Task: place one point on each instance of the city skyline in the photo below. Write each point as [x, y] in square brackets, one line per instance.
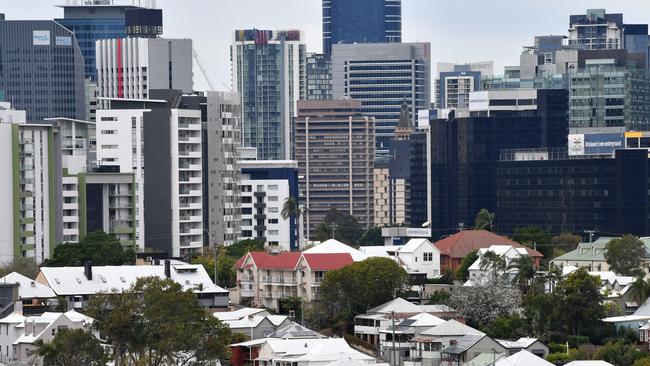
[422, 20]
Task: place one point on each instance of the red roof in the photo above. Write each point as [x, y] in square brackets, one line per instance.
[328, 261]
[463, 242]
[263, 260]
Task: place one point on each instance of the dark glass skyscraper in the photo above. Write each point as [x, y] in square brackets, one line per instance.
[41, 69]
[361, 21]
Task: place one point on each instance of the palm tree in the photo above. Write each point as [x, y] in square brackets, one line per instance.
[494, 262]
[291, 208]
[639, 291]
[484, 220]
[525, 271]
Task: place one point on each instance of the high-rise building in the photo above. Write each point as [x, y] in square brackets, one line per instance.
[28, 188]
[268, 72]
[42, 69]
[159, 141]
[609, 89]
[93, 20]
[559, 193]
[131, 67]
[465, 150]
[222, 175]
[361, 21]
[318, 77]
[382, 76]
[335, 153]
[265, 186]
[455, 82]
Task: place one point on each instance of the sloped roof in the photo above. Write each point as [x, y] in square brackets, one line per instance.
[296, 331]
[519, 343]
[451, 328]
[523, 358]
[589, 363]
[240, 313]
[13, 318]
[463, 242]
[73, 281]
[328, 261]
[286, 260]
[397, 305]
[28, 288]
[463, 343]
[413, 244]
[485, 359]
[335, 246]
[425, 320]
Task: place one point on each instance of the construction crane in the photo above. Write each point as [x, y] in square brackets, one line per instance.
[203, 69]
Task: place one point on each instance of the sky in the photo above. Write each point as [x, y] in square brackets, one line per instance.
[459, 31]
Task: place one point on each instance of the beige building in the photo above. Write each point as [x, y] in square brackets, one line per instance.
[335, 149]
[390, 196]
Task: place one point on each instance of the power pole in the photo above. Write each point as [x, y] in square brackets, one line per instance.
[394, 354]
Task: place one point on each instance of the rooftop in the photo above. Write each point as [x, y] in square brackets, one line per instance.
[463, 242]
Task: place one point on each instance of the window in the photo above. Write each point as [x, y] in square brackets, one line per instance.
[246, 199]
[246, 211]
[272, 210]
[273, 221]
[109, 132]
[273, 187]
[273, 198]
[109, 146]
[273, 232]
[428, 257]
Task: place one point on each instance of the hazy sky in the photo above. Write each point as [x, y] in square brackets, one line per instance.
[459, 30]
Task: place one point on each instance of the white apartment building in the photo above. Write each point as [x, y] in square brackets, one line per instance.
[168, 141]
[265, 186]
[131, 67]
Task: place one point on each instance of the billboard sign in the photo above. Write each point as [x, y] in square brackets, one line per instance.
[479, 101]
[423, 117]
[595, 143]
[41, 38]
[63, 41]
[417, 232]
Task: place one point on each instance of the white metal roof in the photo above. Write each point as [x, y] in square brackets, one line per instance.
[397, 305]
[523, 358]
[72, 280]
[335, 246]
[240, 313]
[28, 288]
[451, 328]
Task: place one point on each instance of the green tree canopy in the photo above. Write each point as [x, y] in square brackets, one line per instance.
[240, 248]
[564, 242]
[356, 288]
[484, 220]
[156, 323]
[97, 247]
[625, 255]
[525, 272]
[72, 347]
[619, 353]
[579, 301]
[372, 237]
[533, 237]
[462, 272]
[340, 226]
[25, 266]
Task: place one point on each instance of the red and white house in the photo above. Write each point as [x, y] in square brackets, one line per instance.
[266, 278]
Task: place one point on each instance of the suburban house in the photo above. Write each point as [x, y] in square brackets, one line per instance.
[78, 284]
[334, 246]
[615, 290]
[428, 345]
[309, 352]
[243, 353]
[523, 358]
[455, 247]
[467, 347]
[395, 340]
[592, 255]
[240, 314]
[255, 327]
[485, 359]
[40, 328]
[418, 257]
[509, 253]
[532, 345]
[265, 278]
[33, 298]
[368, 325]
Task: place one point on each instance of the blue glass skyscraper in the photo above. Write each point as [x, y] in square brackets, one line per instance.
[92, 22]
[361, 21]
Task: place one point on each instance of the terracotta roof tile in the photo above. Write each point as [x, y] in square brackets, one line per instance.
[263, 260]
[328, 261]
[461, 243]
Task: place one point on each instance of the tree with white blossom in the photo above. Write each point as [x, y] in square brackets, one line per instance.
[486, 300]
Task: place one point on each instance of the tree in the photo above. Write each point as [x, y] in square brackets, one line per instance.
[493, 262]
[539, 311]
[291, 208]
[564, 242]
[579, 301]
[294, 304]
[156, 323]
[625, 255]
[639, 290]
[463, 270]
[227, 275]
[97, 247]
[25, 266]
[340, 226]
[438, 297]
[485, 301]
[619, 353]
[525, 268]
[372, 237]
[484, 220]
[645, 361]
[72, 347]
[356, 288]
[240, 248]
[533, 237]
[507, 327]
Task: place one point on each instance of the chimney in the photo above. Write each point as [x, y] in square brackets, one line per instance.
[88, 270]
[168, 270]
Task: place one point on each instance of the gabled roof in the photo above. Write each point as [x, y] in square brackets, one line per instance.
[463, 242]
[589, 363]
[523, 358]
[463, 343]
[485, 359]
[425, 320]
[13, 318]
[451, 328]
[72, 280]
[295, 331]
[264, 260]
[413, 244]
[240, 314]
[328, 261]
[28, 288]
[334, 246]
[519, 343]
[397, 305]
